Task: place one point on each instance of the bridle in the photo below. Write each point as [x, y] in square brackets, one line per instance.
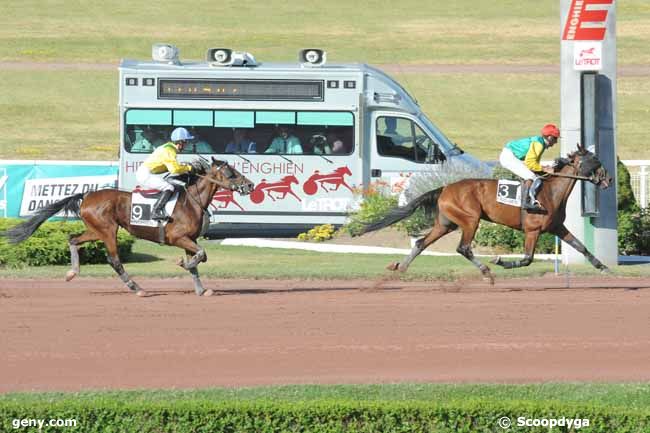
[591, 178]
[209, 179]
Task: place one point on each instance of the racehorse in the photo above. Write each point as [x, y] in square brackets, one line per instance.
[104, 211]
[464, 203]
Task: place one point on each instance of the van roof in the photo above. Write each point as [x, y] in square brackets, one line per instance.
[266, 66]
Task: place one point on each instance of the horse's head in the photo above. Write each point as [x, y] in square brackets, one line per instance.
[228, 177]
[588, 165]
[290, 179]
[343, 170]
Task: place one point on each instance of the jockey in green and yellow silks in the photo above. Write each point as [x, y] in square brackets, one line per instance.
[523, 156]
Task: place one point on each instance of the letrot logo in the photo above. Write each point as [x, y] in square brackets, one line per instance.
[587, 20]
[587, 56]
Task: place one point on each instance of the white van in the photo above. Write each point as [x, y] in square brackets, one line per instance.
[310, 135]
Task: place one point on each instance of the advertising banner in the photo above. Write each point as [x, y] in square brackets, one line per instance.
[27, 186]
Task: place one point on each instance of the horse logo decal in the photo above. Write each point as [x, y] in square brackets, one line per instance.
[281, 189]
[335, 179]
[225, 196]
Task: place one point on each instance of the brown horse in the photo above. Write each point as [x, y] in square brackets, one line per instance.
[465, 203]
[104, 211]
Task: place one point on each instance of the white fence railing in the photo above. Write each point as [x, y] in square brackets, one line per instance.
[640, 179]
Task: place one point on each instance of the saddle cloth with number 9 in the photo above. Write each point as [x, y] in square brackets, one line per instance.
[142, 202]
[509, 192]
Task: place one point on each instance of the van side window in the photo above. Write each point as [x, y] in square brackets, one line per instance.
[398, 137]
[243, 131]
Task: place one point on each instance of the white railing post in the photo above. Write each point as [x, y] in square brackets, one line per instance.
[643, 186]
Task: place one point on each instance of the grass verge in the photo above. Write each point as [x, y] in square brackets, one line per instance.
[342, 408]
[153, 260]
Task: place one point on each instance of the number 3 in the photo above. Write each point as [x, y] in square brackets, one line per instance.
[503, 190]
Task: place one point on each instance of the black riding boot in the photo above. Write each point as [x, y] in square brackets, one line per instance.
[158, 212]
[531, 202]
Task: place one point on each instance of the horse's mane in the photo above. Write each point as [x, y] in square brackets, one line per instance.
[201, 166]
[560, 163]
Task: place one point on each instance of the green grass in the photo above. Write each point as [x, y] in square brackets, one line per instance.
[626, 395]
[377, 31]
[152, 260]
[59, 115]
[73, 114]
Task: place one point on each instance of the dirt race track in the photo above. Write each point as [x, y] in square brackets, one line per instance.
[91, 334]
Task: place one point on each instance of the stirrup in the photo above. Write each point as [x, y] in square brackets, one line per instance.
[160, 215]
[533, 205]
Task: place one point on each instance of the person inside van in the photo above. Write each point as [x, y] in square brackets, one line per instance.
[198, 144]
[337, 145]
[241, 143]
[140, 142]
[319, 144]
[390, 131]
[285, 142]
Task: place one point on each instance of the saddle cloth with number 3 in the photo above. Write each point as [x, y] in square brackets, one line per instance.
[509, 192]
[142, 207]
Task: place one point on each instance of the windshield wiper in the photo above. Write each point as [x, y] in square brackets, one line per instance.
[328, 160]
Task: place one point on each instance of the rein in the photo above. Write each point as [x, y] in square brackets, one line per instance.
[570, 176]
[216, 182]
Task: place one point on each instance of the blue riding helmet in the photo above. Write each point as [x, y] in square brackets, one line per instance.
[179, 134]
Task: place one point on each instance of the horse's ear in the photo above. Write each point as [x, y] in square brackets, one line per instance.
[581, 148]
[214, 161]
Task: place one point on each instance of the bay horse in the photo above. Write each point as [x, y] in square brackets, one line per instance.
[465, 203]
[104, 211]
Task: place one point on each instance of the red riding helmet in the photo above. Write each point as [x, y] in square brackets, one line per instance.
[551, 130]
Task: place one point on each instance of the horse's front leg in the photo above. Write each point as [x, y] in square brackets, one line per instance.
[194, 271]
[194, 255]
[530, 243]
[564, 234]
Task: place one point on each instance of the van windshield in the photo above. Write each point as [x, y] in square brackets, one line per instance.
[441, 138]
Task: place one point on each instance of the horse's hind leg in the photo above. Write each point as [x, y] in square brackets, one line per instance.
[75, 243]
[110, 240]
[465, 249]
[438, 231]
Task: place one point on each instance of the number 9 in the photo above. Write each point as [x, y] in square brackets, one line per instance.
[137, 212]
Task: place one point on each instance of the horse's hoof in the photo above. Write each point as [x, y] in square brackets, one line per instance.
[495, 260]
[181, 262]
[70, 275]
[605, 271]
[489, 279]
[393, 266]
[141, 293]
[208, 292]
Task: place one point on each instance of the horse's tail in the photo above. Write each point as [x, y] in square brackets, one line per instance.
[429, 200]
[20, 232]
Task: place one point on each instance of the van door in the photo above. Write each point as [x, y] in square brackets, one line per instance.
[401, 147]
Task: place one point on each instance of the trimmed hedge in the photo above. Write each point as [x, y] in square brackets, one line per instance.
[49, 245]
[108, 415]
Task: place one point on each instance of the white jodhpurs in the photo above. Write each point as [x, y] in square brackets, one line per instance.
[148, 180]
[511, 162]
